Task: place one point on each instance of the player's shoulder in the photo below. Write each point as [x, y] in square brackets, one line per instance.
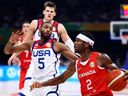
[56, 42]
[34, 21]
[60, 25]
[59, 44]
[33, 24]
[103, 57]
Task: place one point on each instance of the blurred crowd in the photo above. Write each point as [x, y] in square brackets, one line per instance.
[13, 13]
[67, 11]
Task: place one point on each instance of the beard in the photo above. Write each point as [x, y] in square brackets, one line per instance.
[47, 36]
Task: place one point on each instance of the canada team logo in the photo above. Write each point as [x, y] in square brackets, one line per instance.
[92, 64]
[48, 44]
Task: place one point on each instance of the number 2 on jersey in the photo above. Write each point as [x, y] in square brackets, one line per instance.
[40, 61]
[88, 82]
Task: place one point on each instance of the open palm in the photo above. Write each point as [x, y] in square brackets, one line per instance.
[15, 35]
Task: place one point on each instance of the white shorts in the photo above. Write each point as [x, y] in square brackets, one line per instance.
[43, 91]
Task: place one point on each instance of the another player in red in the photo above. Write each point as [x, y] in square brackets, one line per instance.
[92, 68]
[24, 57]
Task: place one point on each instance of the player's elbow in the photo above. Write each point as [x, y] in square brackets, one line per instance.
[7, 51]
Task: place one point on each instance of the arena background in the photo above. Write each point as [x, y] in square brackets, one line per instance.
[77, 15]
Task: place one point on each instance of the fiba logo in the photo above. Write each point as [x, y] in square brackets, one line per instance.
[12, 72]
[92, 64]
[48, 44]
[9, 73]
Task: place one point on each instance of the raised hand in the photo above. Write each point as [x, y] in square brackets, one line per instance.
[15, 35]
[13, 60]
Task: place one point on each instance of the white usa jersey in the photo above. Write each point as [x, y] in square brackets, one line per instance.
[44, 59]
[54, 34]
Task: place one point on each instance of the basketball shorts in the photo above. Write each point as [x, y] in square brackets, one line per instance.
[43, 91]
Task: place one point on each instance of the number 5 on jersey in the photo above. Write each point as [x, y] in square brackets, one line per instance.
[41, 63]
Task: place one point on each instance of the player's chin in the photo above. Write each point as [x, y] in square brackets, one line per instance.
[49, 18]
[46, 35]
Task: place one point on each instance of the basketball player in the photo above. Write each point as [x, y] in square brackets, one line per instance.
[92, 68]
[44, 59]
[24, 57]
[58, 29]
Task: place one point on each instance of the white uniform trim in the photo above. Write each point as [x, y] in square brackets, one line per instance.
[70, 44]
[85, 38]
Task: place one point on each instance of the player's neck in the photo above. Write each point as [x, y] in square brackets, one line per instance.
[44, 40]
[84, 62]
[45, 20]
[85, 56]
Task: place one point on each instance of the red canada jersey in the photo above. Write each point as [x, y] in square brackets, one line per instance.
[25, 57]
[92, 77]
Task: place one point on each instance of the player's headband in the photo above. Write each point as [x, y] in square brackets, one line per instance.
[85, 38]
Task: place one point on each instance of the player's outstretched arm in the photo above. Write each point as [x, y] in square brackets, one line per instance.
[57, 80]
[10, 46]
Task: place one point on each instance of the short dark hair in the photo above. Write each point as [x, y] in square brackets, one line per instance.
[49, 4]
[24, 23]
[89, 35]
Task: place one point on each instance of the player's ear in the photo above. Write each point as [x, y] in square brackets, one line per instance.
[86, 44]
[43, 12]
[54, 13]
